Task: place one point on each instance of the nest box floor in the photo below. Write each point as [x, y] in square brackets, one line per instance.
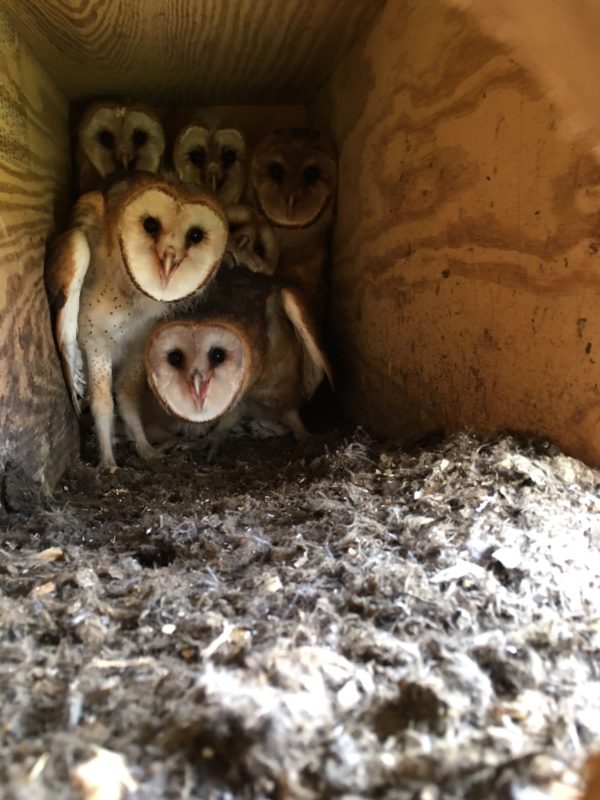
[364, 623]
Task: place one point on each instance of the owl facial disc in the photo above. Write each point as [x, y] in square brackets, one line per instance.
[196, 369]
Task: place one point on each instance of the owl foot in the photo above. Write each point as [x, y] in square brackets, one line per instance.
[147, 452]
[107, 465]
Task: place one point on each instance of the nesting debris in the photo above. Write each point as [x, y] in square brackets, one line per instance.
[365, 623]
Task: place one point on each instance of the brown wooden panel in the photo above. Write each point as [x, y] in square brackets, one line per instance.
[37, 430]
[558, 41]
[192, 51]
[467, 250]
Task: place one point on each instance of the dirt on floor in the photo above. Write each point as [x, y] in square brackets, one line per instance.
[362, 622]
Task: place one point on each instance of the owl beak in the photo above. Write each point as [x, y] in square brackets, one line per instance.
[291, 203]
[214, 178]
[168, 265]
[243, 241]
[199, 389]
[124, 159]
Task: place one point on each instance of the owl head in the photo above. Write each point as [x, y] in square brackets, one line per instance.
[213, 158]
[171, 237]
[293, 177]
[117, 137]
[197, 369]
[252, 242]
[250, 337]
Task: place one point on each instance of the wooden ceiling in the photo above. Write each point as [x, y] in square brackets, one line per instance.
[191, 51]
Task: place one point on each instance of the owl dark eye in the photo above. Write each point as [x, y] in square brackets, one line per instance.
[196, 157]
[311, 174]
[139, 138]
[195, 235]
[176, 358]
[217, 355]
[151, 225]
[106, 139]
[276, 171]
[228, 157]
[259, 249]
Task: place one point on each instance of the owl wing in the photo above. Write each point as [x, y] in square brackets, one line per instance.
[315, 363]
[66, 268]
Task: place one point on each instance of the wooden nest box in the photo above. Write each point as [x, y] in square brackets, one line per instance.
[466, 252]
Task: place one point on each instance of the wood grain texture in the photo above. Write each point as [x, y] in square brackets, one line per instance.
[558, 41]
[192, 51]
[466, 257]
[37, 429]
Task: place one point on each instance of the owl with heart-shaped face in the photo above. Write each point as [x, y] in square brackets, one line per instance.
[117, 138]
[145, 243]
[247, 348]
[214, 157]
[292, 182]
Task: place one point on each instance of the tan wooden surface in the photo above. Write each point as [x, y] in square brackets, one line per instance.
[37, 430]
[192, 51]
[467, 251]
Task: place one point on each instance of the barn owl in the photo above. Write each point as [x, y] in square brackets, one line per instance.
[251, 241]
[198, 367]
[292, 181]
[143, 244]
[113, 137]
[212, 157]
[247, 348]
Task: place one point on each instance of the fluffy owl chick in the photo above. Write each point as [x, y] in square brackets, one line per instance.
[293, 180]
[145, 243]
[276, 361]
[113, 137]
[252, 242]
[196, 368]
[212, 157]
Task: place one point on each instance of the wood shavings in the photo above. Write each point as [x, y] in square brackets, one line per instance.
[104, 777]
[47, 555]
[369, 623]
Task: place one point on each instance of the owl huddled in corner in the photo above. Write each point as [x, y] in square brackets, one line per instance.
[247, 348]
[114, 138]
[130, 251]
[292, 183]
[212, 156]
[252, 242]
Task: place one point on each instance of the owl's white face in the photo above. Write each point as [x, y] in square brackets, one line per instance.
[252, 242]
[293, 177]
[115, 137]
[171, 241]
[215, 160]
[196, 369]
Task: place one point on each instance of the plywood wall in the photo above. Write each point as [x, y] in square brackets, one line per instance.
[192, 51]
[466, 273]
[37, 430]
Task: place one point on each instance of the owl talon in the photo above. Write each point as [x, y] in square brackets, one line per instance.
[147, 452]
[107, 466]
